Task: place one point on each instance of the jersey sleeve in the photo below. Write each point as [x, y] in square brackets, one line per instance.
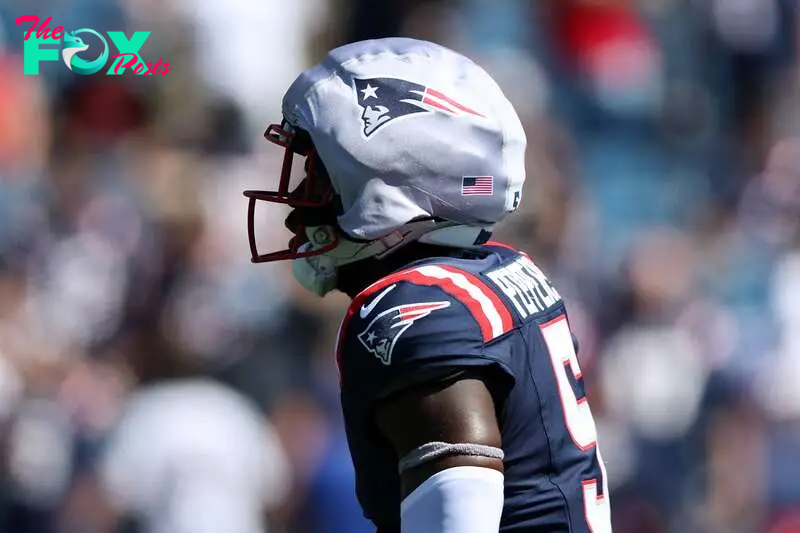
[423, 322]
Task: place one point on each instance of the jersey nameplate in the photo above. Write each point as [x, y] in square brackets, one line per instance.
[526, 286]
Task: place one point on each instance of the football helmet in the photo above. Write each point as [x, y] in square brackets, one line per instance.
[402, 140]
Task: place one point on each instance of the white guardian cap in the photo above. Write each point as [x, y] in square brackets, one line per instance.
[404, 140]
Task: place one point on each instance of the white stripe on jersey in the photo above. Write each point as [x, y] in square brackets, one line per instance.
[459, 280]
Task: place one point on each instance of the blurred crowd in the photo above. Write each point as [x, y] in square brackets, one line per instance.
[153, 380]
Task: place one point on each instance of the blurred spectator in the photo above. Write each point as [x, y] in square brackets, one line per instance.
[193, 456]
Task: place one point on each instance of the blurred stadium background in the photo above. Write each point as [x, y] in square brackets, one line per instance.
[663, 196]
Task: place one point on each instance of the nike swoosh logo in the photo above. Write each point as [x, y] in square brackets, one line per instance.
[367, 309]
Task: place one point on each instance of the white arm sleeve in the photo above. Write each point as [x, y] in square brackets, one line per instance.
[463, 499]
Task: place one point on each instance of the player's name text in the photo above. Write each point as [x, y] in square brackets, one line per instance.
[526, 286]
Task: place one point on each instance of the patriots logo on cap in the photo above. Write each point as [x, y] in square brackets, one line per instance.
[386, 99]
[382, 333]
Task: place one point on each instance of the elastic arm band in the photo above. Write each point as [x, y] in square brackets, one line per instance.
[434, 450]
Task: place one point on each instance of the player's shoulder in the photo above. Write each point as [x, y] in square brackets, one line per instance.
[441, 313]
[432, 309]
[442, 289]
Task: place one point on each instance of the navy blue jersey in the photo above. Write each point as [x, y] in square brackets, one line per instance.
[497, 314]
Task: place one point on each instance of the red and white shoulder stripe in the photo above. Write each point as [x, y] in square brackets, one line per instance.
[491, 314]
[485, 305]
[489, 311]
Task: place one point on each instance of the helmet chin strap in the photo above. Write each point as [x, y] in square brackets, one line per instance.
[318, 274]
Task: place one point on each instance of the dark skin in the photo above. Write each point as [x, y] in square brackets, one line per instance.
[458, 410]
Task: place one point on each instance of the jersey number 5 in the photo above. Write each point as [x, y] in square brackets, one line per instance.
[578, 419]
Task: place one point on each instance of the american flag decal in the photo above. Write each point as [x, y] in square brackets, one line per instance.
[477, 186]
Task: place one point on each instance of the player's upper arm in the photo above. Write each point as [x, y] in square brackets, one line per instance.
[446, 436]
[417, 361]
[458, 411]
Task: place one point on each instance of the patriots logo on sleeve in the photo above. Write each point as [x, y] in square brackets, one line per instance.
[382, 333]
[386, 99]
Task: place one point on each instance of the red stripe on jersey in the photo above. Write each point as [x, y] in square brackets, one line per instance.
[459, 294]
[447, 285]
[550, 322]
[497, 303]
[499, 244]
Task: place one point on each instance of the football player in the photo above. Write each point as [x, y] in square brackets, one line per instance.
[460, 385]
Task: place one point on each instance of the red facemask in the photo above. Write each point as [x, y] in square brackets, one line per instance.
[314, 195]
